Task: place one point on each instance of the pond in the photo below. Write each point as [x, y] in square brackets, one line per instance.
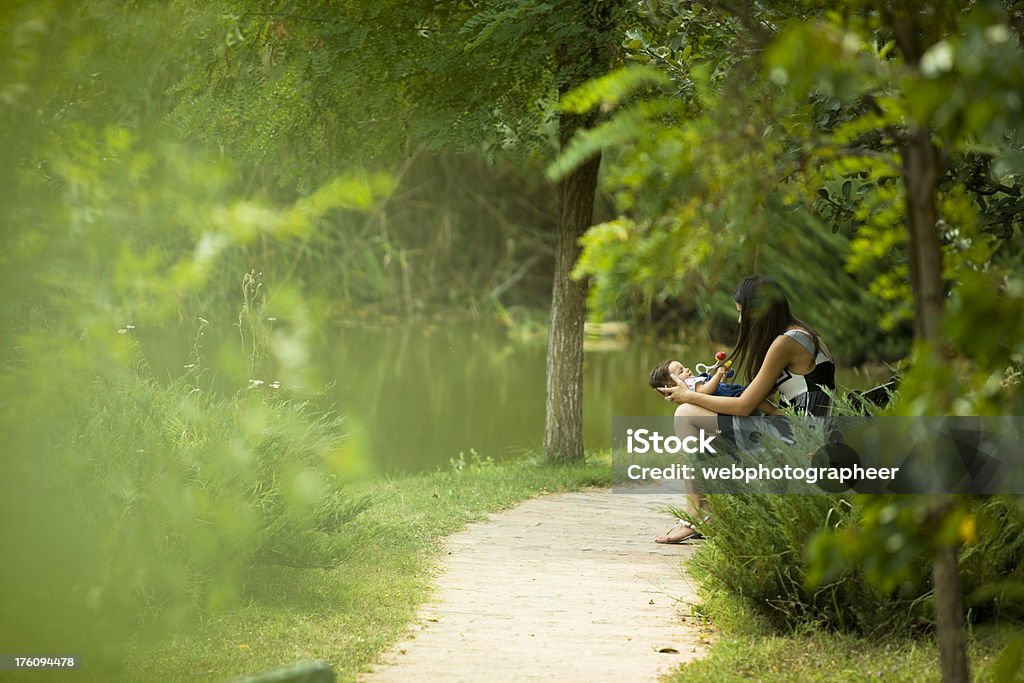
[417, 396]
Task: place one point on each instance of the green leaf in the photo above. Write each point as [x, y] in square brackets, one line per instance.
[1008, 666]
[924, 97]
[611, 89]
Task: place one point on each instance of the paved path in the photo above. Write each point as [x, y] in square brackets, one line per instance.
[567, 587]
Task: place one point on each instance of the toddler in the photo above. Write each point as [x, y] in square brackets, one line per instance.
[705, 383]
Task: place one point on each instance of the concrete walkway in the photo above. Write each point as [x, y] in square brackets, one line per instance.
[567, 587]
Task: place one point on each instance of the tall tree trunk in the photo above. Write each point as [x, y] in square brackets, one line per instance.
[563, 434]
[949, 610]
[920, 178]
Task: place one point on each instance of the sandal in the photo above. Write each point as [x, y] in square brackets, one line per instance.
[689, 533]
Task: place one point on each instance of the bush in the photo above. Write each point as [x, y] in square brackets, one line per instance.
[197, 488]
[141, 507]
[992, 564]
[856, 563]
[756, 558]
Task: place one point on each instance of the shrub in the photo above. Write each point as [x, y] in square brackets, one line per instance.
[756, 557]
[857, 563]
[992, 564]
[140, 507]
[197, 488]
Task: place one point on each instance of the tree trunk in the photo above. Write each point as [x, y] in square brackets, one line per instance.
[920, 177]
[563, 434]
[949, 611]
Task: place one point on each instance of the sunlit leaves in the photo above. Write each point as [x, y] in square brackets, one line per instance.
[635, 120]
[710, 194]
[611, 89]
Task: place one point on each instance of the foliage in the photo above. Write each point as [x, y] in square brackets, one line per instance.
[204, 487]
[756, 557]
[492, 242]
[855, 563]
[708, 184]
[145, 501]
[988, 528]
[805, 134]
[319, 85]
[146, 505]
[964, 91]
[298, 89]
[756, 560]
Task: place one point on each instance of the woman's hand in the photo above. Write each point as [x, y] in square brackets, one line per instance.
[678, 394]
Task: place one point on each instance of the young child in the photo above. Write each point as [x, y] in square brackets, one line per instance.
[705, 383]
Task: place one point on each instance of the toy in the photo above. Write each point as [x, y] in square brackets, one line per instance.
[703, 369]
[705, 372]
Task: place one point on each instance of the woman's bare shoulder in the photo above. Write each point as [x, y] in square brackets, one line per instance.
[783, 351]
[785, 342]
[799, 358]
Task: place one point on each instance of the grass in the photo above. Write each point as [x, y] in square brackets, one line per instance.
[814, 656]
[811, 656]
[748, 646]
[347, 615]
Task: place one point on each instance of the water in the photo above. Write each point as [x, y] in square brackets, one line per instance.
[422, 395]
[419, 395]
[416, 395]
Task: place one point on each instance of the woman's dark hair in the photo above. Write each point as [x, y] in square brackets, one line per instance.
[764, 315]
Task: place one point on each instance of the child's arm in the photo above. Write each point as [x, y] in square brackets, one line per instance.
[711, 386]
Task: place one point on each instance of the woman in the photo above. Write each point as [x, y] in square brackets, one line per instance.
[777, 352]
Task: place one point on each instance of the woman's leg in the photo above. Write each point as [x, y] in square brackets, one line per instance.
[689, 421]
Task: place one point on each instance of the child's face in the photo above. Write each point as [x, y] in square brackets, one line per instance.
[676, 368]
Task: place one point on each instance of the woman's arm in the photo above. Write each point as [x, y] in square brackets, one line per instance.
[780, 354]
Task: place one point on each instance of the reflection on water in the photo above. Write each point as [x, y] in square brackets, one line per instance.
[416, 395]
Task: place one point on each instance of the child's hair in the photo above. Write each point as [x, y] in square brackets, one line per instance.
[660, 376]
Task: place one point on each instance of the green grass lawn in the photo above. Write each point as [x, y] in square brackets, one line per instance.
[746, 649]
[348, 614]
[821, 657]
